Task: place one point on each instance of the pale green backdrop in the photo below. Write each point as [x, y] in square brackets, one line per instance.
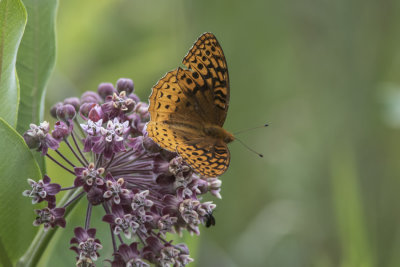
[325, 74]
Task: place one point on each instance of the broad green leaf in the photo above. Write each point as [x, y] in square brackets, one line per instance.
[12, 24]
[35, 62]
[16, 212]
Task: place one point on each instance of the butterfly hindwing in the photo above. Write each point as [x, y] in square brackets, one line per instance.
[205, 157]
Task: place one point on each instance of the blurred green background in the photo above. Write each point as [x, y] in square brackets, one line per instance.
[325, 74]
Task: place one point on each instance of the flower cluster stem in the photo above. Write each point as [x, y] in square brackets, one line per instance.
[88, 215]
[73, 151]
[77, 147]
[64, 158]
[59, 164]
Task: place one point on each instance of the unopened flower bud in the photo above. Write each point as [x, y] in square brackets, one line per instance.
[85, 109]
[95, 196]
[53, 110]
[126, 85]
[134, 97]
[74, 101]
[105, 89]
[90, 97]
[66, 112]
[143, 110]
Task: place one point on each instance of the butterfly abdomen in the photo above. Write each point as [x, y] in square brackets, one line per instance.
[219, 133]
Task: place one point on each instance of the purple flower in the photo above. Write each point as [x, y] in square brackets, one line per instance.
[87, 176]
[112, 138]
[166, 223]
[146, 193]
[188, 213]
[128, 256]
[42, 190]
[143, 219]
[213, 185]
[115, 189]
[93, 134]
[140, 200]
[92, 127]
[87, 245]
[165, 254]
[39, 137]
[115, 130]
[96, 113]
[121, 221]
[118, 104]
[62, 130]
[50, 217]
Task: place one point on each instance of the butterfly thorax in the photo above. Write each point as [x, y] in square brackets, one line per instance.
[218, 132]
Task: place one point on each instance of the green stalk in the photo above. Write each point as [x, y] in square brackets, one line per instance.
[349, 210]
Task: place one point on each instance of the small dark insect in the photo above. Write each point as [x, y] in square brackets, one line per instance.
[210, 219]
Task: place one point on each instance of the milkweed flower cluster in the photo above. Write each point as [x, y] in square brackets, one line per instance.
[145, 192]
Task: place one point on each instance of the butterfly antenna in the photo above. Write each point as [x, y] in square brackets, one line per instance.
[252, 150]
[249, 129]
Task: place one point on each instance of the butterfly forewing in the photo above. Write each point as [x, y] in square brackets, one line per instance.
[173, 118]
[198, 93]
[186, 101]
[207, 59]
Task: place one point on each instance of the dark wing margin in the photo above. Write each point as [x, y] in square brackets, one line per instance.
[207, 59]
[208, 160]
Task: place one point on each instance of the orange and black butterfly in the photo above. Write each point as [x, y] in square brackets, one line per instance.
[188, 108]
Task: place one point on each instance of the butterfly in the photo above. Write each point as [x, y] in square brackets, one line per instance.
[188, 108]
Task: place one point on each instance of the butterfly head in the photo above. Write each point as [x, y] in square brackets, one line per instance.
[228, 137]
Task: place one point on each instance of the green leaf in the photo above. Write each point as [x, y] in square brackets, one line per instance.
[35, 62]
[12, 24]
[16, 211]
